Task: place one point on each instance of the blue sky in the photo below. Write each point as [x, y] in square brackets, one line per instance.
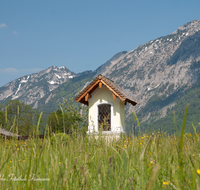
[81, 34]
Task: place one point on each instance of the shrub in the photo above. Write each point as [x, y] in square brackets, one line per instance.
[60, 137]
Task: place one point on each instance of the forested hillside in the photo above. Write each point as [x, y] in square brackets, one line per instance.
[172, 122]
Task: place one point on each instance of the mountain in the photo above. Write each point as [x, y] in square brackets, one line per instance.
[162, 75]
[103, 69]
[39, 89]
[51, 100]
[33, 87]
[159, 66]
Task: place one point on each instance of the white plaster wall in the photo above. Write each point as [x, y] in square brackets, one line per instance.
[104, 95]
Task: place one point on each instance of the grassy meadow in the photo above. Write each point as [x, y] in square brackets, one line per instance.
[78, 161]
[153, 161]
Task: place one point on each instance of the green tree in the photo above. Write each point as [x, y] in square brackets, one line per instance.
[55, 121]
[20, 117]
[69, 117]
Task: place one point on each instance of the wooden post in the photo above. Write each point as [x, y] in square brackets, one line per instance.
[86, 97]
[114, 96]
[100, 84]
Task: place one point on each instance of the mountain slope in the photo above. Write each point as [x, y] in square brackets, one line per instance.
[160, 68]
[51, 101]
[172, 122]
[32, 87]
[156, 74]
[103, 69]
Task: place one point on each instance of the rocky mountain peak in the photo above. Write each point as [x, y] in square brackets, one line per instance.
[32, 87]
[160, 66]
[192, 27]
[103, 69]
[158, 69]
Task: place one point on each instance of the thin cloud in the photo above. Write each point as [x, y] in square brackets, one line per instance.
[3, 25]
[18, 71]
[34, 70]
[9, 74]
[14, 32]
[9, 71]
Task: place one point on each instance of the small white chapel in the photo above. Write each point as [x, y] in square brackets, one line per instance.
[106, 101]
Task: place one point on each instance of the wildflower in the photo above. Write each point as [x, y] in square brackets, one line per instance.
[152, 162]
[198, 171]
[165, 183]
[59, 162]
[19, 160]
[142, 137]
[193, 155]
[125, 146]
[11, 161]
[23, 160]
[149, 164]
[18, 149]
[15, 144]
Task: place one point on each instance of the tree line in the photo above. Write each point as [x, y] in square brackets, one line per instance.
[22, 119]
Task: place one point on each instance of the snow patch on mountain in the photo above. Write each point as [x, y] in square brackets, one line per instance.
[52, 82]
[59, 77]
[18, 89]
[35, 86]
[62, 67]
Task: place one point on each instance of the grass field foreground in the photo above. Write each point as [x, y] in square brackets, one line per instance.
[153, 161]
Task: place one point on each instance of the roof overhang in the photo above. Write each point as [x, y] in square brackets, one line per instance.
[100, 80]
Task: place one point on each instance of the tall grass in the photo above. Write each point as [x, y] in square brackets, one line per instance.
[82, 163]
[150, 161]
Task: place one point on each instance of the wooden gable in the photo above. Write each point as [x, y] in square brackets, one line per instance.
[100, 80]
